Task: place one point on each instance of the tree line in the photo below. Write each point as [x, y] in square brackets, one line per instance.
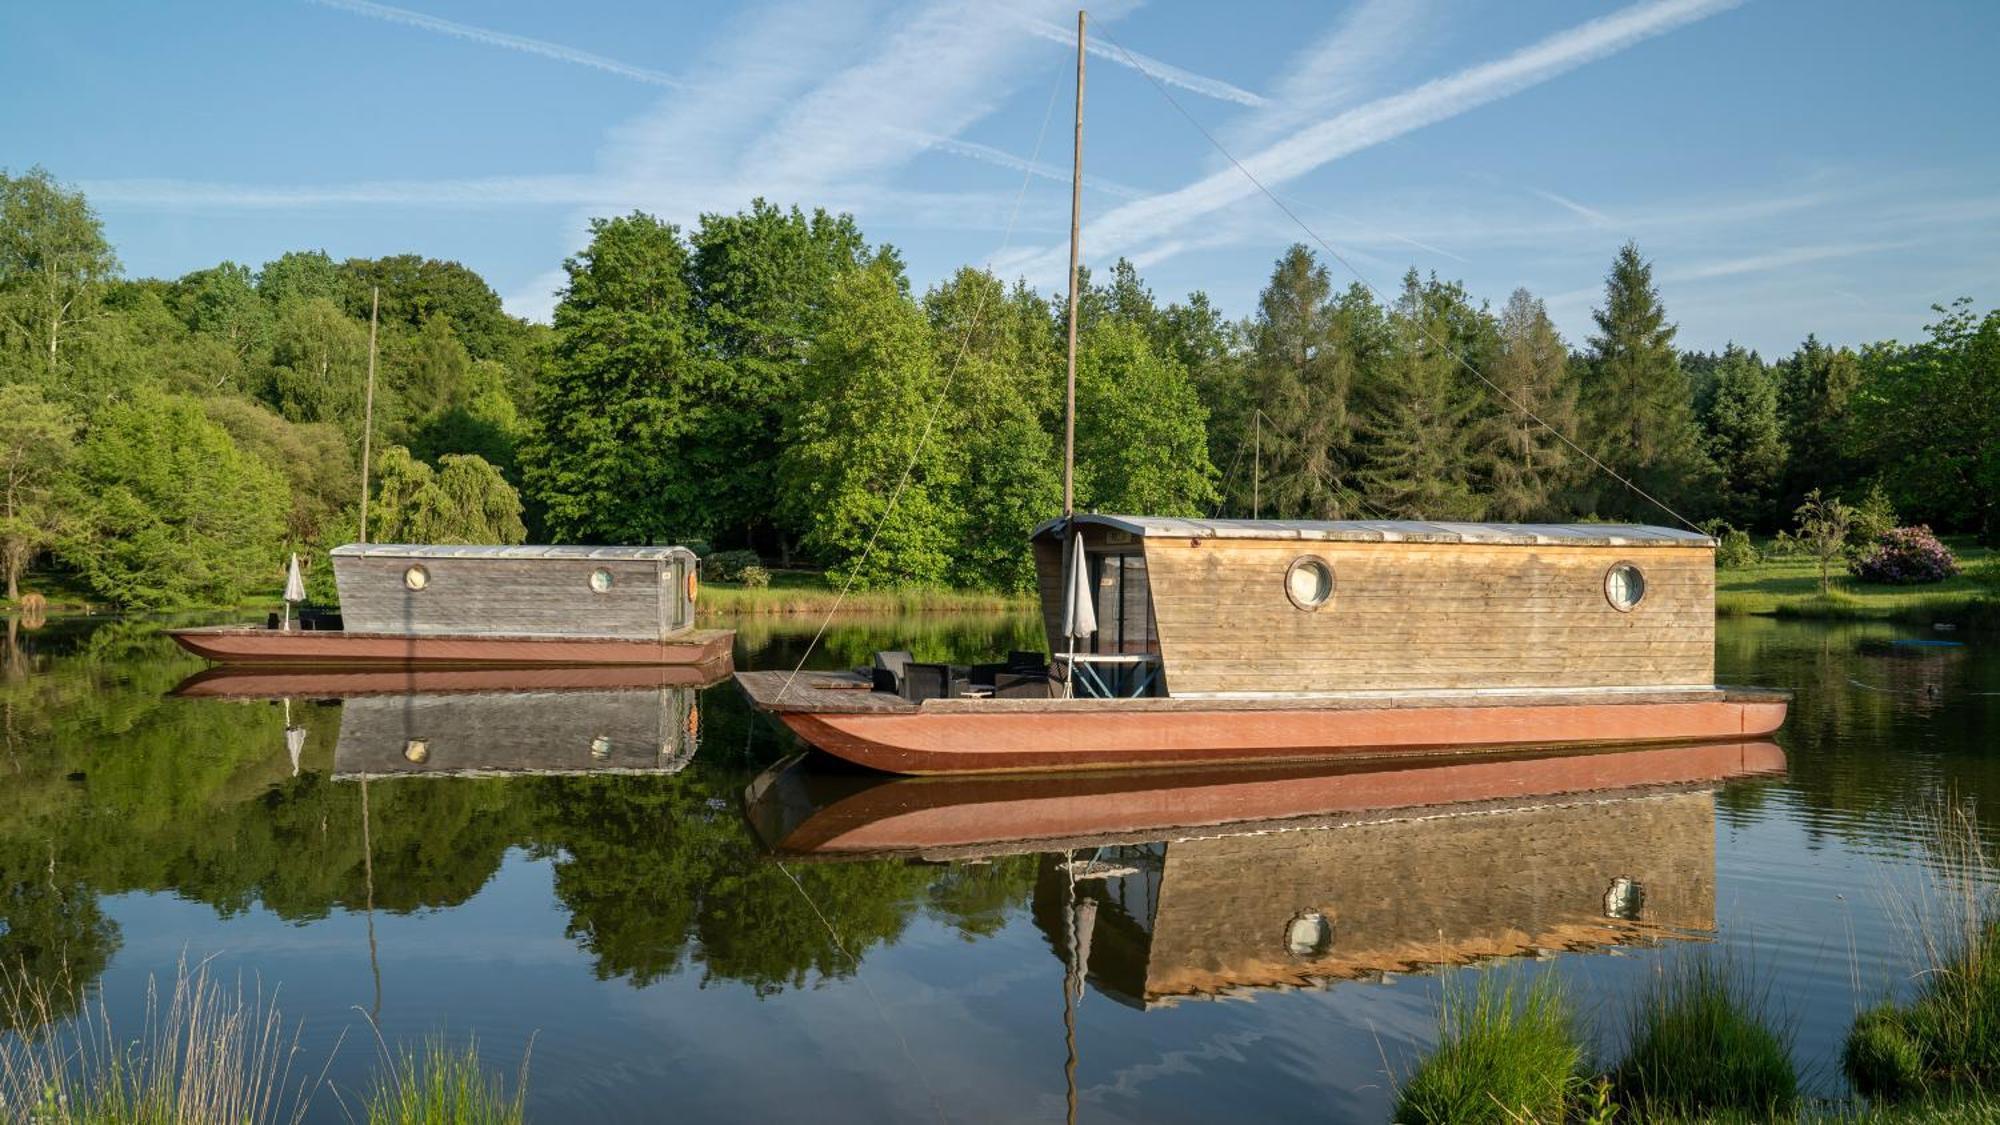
[772, 380]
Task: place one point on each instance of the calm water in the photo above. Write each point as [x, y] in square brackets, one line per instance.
[624, 916]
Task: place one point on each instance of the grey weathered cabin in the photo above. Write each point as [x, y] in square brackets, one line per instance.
[1249, 608]
[625, 593]
[494, 734]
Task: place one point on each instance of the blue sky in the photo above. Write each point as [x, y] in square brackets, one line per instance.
[1789, 166]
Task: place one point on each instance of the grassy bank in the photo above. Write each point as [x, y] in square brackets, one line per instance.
[1790, 588]
[802, 591]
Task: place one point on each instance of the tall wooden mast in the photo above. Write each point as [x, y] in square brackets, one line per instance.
[1075, 237]
[368, 411]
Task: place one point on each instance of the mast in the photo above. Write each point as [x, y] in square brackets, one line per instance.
[368, 413]
[1075, 236]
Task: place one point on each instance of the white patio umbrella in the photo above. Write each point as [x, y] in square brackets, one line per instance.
[295, 738]
[295, 588]
[1079, 606]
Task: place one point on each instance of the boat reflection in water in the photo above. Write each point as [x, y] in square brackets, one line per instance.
[1196, 883]
[493, 722]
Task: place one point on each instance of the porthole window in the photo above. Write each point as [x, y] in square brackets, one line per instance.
[1625, 900]
[416, 751]
[1624, 587]
[600, 580]
[600, 748]
[1308, 935]
[416, 578]
[1309, 582]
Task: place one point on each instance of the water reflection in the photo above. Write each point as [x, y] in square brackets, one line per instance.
[1202, 882]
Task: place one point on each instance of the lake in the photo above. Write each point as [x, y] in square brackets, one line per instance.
[574, 881]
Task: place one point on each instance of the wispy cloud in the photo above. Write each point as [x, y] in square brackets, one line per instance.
[1001, 158]
[1778, 260]
[1332, 71]
[493, 38]
[1145, 64]
[1596, 217]
[1386, 118]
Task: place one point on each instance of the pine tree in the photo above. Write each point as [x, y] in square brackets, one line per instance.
[1636, 401]
[1302, 365]
[1527, 463]
[1815, 405]
[1744, 442]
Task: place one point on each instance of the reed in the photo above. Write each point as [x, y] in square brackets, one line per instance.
[1703, 1045]
[1946, 1040]
[204, 1054]
[1505, 1054]
[439, 1084]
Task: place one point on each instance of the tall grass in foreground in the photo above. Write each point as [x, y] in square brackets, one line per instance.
[1505, 1054]
[439, 1084]
[205, 1054]
[1946, 1040]
[1703, 1043]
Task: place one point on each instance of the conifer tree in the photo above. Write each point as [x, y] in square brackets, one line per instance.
[1422, 417]
[1302, 375]
[1744, 442]
[1636, 401]
[1815, 405]
[1527, 462]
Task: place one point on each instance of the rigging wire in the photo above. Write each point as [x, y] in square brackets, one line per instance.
[1337, 256]
[937, 408]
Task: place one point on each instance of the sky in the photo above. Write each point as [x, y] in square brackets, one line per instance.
[1789, 166]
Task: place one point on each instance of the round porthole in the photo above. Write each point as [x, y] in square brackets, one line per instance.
[1309, 582]
[416, 751]
[416, 578]
[600, 580]
[1308, 935]
[1624, 587]
[1625, 900]
[693, 584]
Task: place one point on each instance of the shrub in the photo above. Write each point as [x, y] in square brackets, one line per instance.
[755, 577]
[1701, 1046]
[1503, 1055]
[728, 566]
[1873, 518]
[1946, 1039]
[1733, 549]
[1905, 556]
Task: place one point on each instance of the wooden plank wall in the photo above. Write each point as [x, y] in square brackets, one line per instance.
[1408, 616]
[1423, 891]
[506, 597]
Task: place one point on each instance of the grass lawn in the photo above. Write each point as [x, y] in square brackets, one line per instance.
[1790, 588]
[806, 591]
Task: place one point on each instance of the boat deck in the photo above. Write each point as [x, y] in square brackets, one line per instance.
[847, 693]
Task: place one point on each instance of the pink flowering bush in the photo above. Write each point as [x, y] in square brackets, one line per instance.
[1905, 556]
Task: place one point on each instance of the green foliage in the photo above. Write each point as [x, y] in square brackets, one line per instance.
[1946, 1039]
[1733, 547]
[167, 510]
[1871, 519]
[1302, 373]
[1931, 418]
[37, 440]
[464, 500]
[1637, 405]
[863, 435]
[319, 365]
[1140, 443]
[1823, 524]
[755, 578]
[54, 264]
[1505, 1054]
[727, 566]
[624, 394]
[440, 1084]
[1744, 442]
[1420, 431]
[1702, 1043]
[1530, 463]
[1817, 385]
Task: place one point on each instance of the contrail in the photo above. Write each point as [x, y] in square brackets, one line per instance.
[1165, 72]
[501, 39]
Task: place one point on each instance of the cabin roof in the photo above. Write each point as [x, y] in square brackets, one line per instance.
[1397, 531]
[524, 551]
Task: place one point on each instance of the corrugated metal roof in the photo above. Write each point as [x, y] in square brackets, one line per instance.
[1399, 531]
[524, 551]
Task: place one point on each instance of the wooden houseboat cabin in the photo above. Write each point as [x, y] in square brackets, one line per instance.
[1199, 641]
[492, 605]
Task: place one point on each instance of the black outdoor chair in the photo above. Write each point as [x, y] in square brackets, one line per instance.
[927, 681]
[888, 671]
[1032, 685]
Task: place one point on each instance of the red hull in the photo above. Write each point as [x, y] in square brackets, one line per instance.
[800, 811]
[235, 645]
[966, 736]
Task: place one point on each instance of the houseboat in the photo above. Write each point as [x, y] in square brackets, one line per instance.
[1181, 642]
[470, 606]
